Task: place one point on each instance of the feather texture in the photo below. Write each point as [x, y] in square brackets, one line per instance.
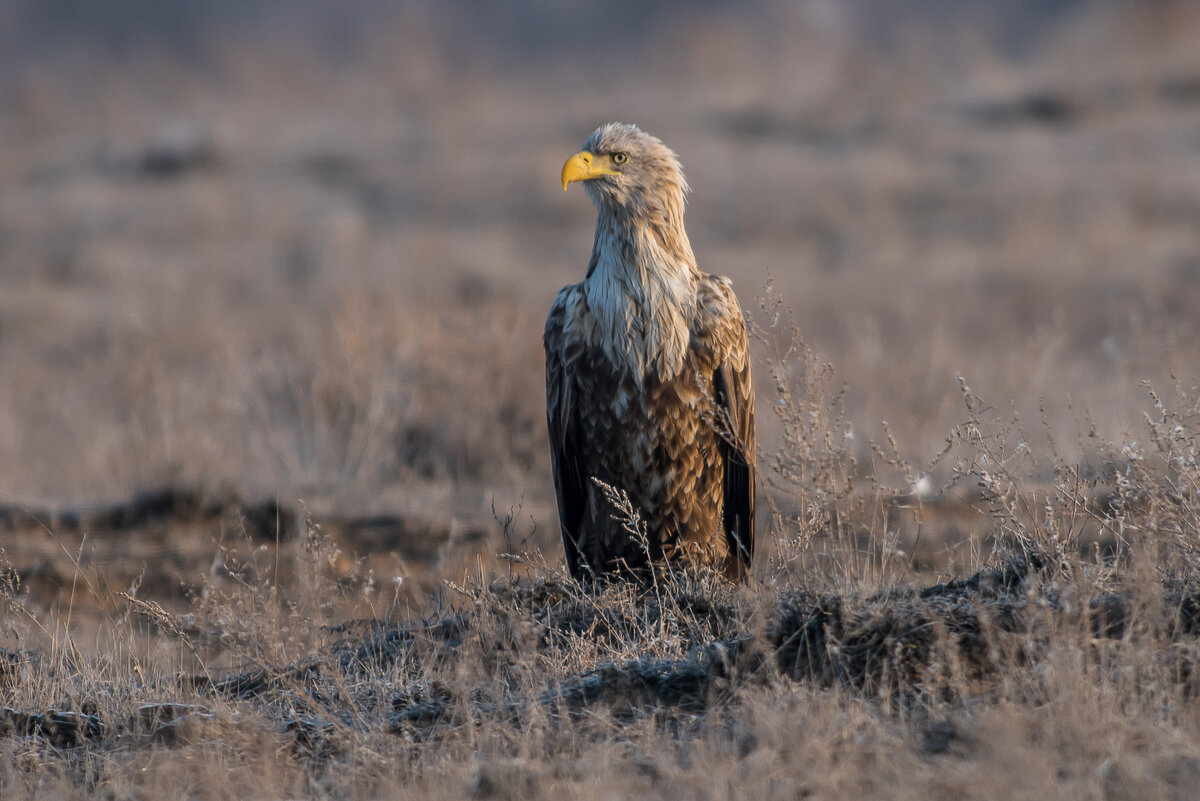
[648, 383]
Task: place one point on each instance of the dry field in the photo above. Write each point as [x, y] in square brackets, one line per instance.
[276, 517]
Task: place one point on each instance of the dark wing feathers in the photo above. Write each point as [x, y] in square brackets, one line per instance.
[735, 400]
[561, 420]
[733, 393]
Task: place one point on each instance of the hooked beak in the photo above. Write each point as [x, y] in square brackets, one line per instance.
[584, 166]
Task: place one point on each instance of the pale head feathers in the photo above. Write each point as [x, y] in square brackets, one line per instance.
[650, 178]
[641, 280]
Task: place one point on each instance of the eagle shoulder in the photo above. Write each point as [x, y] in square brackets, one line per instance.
[719, 326]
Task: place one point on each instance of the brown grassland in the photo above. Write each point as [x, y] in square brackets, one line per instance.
[276, 518]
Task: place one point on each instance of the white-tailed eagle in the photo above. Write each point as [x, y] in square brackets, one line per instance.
[648, 377]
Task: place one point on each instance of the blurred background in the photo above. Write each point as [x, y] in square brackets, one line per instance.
[305, 248]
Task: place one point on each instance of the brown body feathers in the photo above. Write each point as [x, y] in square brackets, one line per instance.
[648, 378]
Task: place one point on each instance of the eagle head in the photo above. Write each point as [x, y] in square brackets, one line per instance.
[624, 167]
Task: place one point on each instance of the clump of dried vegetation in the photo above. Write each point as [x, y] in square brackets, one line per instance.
[1070, 650]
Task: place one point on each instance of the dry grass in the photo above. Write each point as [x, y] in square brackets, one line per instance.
[225, 292]
[833, 673]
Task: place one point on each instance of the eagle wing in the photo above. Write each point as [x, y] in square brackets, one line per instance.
[562, 421]
[734, 395]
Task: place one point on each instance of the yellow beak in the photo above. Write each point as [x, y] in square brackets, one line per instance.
[584, 166]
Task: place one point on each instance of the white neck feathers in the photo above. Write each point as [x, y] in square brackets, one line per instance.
[641, 288]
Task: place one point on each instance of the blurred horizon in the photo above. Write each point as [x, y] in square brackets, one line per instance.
[40, 33]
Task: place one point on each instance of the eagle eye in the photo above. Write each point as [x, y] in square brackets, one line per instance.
[620, 158]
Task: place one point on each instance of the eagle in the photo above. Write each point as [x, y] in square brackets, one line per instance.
[648, 390]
